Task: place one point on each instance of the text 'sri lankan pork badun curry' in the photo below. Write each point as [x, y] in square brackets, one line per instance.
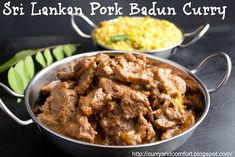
[120, 100]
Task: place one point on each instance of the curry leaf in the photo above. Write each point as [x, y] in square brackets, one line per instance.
[49, 58]
[69, 49]
[15, 81]
[22, 67]
[58, 53]
[29, 66]
[40, 59]
[19, 68]
[18, 57]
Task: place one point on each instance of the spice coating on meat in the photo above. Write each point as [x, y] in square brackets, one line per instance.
[120, 100]
[132, 102]
[84, 72]
[169, 83]
[46, 90]
[81, 129]
[132, 71]
[93, 102]
[104, 67]
[59, 106]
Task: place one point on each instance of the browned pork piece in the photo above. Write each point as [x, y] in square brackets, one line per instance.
[170, 83]
[84, 72]
[132, 70]
[172, 119]
[104, 68]
[59, 106]
[143, 133]
[65, 75]
[120, 100]
[113, 124]
[121, 131]
[93, 102]
[80, 129]
[46, 90]
[132, 102]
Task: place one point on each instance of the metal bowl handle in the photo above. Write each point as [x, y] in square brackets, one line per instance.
[78, 30]
[228, 69]
[198, 33]
[8, 112]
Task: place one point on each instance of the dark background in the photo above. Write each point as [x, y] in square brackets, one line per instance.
[215, 133]
[21, 26]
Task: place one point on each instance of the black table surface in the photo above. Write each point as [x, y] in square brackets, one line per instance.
[215, 134]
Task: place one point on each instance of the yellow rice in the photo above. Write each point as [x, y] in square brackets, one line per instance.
[144, 33]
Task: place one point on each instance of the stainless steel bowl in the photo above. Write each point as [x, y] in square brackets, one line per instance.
[75, 147]
[193, 37]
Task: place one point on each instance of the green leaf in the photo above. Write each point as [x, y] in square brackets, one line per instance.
[19, 56]
[58, 53]
[48, 56]
[15, 81]
[20, 69]
[29, 66]
[40, 59]
[69, 49]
